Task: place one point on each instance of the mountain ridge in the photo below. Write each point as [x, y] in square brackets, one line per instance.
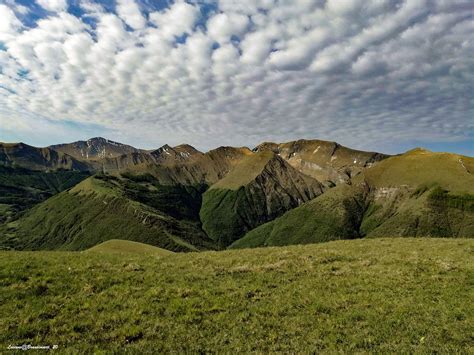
[328, 162]
[324, 160]
[182, 199]
[104, 207]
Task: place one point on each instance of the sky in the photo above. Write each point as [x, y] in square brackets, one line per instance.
[379, 75]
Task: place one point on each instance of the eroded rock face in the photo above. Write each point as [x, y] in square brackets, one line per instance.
[228, 212]
[328, 162]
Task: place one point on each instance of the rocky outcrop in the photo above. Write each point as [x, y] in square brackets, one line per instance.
[328, 162]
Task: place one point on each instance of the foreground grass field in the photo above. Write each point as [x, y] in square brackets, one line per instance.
[381, 295]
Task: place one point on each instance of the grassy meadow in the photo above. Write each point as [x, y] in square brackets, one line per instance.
[398, 295]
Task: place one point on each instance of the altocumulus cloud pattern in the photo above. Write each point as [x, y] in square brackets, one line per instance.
[239, 71]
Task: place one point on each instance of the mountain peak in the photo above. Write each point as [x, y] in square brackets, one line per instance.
[163, 149]
[185, 147]
[95, 148]
[102, 140]
[98, 140]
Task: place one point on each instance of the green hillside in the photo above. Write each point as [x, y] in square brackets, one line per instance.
[398, 295]
[125, 247]
[258, 189]
[417, 194]
[418, 167]
[245, 172]
[106, 207]
[21, 189]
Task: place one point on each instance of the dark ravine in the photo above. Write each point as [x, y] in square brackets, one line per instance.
[21, 189]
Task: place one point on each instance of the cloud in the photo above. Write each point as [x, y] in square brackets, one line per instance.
[240, 72]
[16, 7]
[298, 52]
[9, 24]
[256, 47]
[129, 11]
[53, 5]
[222, 27]
[91, 8]
[178, 19]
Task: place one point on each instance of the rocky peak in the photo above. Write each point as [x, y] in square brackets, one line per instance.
[186, 151]
[266, 146]
[167, 154]
[95, 148]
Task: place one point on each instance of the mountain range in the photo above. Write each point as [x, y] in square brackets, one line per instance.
[76, 195]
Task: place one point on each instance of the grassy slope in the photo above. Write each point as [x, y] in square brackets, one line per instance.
[21, 188]
[124, 247]
[421, 167]
[382, 296]
[97, 210]
[220, 217]
[244, 172]
[432, 196]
